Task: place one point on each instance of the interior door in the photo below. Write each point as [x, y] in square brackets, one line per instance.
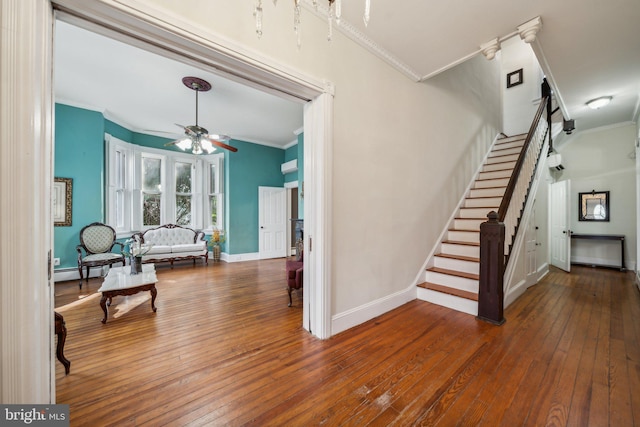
[531, 247]
[559, 195]
[272, 235]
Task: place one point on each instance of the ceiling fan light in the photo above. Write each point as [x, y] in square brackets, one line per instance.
[207, 146]
[599, 102]
[197, 148]
[184, 144]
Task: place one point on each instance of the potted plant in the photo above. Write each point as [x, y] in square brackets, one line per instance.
[217, 238]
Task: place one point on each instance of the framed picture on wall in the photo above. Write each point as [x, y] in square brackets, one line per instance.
[593, 206]
[514, 78]
[62, 193]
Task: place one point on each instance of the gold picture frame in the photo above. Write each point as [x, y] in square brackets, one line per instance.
[62, 203]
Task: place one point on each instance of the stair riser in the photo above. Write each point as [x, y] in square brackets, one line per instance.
[457, 265]
[483, 202]
[468, 224]
[450, 301]
[486, 192]
[498, 166]
[460, 250]
[514, 138]
[495, 174]
[502, 159]
[487, 183]
[463, 236]
[503, 151]
[505, 145]
[456, 282]
[476, 212]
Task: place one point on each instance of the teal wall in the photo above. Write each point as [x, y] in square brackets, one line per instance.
[80, 155]
[251, 167]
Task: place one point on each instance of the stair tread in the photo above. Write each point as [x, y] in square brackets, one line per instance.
[464, 230]
[471, 219]
[458, 242]
[459, 257]
[451, 291]
[454, 273]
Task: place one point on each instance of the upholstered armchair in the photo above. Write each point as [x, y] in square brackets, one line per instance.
[97, 240]
[294, 276]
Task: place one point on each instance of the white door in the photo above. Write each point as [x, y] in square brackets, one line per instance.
[559, 195]
[531, 246]
[272, 220]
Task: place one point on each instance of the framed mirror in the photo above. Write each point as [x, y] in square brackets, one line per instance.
[593, 206]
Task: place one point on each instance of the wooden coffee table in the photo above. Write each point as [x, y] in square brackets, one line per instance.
[119, 282]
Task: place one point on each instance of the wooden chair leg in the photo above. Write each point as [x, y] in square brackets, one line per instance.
[290, 301]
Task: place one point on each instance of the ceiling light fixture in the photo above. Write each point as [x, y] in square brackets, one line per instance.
[599, 102]
[198, 139]
[334, 11]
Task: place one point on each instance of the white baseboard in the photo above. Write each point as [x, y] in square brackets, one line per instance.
[350, 318]
[255, 256]
[65, 274]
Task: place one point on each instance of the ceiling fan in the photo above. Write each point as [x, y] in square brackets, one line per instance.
[197, 138]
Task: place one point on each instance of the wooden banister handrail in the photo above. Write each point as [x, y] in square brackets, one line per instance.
[508, 193]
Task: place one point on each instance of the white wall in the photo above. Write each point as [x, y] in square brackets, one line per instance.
[602, 160]
[396, 142]
[521, 101]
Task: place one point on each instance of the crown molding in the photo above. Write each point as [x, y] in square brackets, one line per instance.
[346, 28]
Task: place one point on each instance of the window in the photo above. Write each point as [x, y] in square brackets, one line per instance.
[184, 195]
[148, 187]
[151, 191]
[215, 192]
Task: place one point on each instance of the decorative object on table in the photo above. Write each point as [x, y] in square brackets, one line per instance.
[134, 251]
[97, 240]
[62, 194]
[594, 206]
[217, 238]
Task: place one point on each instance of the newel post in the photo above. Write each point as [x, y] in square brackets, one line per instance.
[491, 291]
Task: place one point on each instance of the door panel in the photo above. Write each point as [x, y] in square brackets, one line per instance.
[560, 233]
[272, 222]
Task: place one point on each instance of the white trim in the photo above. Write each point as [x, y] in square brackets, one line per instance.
[291, 144]
[27, 371]
[357, 315]
[298, 132]
[291, 184]
[250, 256]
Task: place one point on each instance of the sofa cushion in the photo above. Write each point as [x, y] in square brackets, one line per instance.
[159, 249]
[188, 247]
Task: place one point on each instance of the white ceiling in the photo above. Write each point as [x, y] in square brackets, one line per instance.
[588, 48]
[144, 92]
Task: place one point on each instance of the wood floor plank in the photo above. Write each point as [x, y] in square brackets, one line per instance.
[224, 349]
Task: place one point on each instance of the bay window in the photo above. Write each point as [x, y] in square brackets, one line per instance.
[148, 187]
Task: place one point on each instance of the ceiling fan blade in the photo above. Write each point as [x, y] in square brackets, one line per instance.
[222, 145]
[186, 129]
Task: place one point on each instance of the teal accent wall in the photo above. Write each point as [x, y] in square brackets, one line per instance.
[251, 167]
[79, 154]
[118, 131]
[291, 153]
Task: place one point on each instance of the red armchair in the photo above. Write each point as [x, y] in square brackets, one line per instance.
[294, 277]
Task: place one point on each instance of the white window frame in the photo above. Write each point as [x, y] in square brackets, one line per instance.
[192, 194]
[216, 160]
[133, 195]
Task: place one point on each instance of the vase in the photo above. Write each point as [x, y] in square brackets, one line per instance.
[215, 251]
[136, 265]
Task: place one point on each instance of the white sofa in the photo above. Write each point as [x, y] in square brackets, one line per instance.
[172, 242]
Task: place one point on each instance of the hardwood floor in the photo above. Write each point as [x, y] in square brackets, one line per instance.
[224, 349]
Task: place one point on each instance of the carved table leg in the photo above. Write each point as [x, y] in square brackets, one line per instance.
[103, 304]
[61, 332]
[154, 293]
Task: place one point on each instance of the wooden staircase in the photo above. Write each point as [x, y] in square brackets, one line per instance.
[452, 278]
